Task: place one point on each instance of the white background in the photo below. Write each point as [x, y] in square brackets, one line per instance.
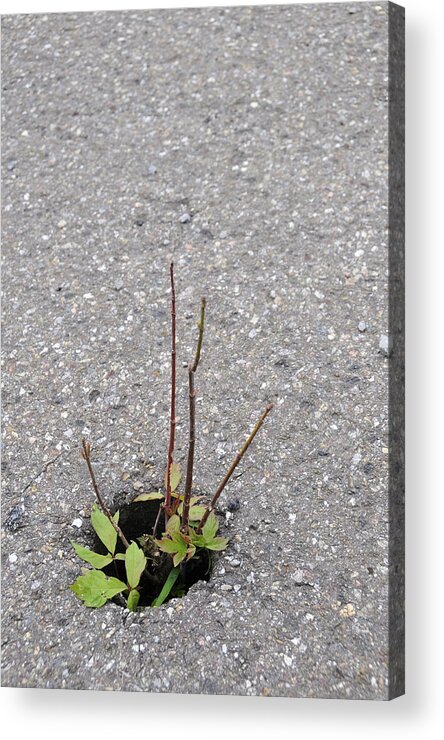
[36, 714]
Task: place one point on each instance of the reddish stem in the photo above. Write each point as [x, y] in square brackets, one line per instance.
[86, 454]
[233, 466]
[167, 503]
[192, 403]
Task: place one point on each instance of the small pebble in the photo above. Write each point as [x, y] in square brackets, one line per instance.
[12, 557]
[77, 523]
[347, 611]
[185, 218]
[234, 504]
[152, 169]
[362, 326]
[118, 285]
[226, 587]
[384, 345]
[14, 520]
[61, 224]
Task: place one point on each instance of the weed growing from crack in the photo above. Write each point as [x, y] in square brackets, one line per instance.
[189, 533]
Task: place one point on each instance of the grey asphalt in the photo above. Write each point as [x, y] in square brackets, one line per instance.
[250, 145]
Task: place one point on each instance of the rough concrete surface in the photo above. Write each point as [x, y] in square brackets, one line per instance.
[249, 144]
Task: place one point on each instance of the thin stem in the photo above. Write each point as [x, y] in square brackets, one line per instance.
[86, 454]
[157, 519]
[233, 466]
[167, 503]
[201, 327]
[192, 432]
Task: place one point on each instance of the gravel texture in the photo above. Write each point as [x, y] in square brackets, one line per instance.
[249, 144]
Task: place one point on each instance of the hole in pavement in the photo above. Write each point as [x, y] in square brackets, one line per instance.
[137, 519]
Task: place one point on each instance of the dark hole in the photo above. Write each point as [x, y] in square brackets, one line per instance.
[138, 519]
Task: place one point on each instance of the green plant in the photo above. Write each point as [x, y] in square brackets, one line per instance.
[189, 532]
[93, 587]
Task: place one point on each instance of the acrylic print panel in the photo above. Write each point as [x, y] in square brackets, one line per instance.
[261, 150]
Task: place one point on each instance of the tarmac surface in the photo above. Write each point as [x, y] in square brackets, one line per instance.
[249, 145]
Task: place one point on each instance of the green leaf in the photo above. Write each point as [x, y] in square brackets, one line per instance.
[114, 586]
[133, 600]
[178, 557]
[197, 539]
[93, 558]
[196, 513]
[167, 586]
[167, 545]
[175, 542]
[218, 543]
[135, 562]
[119, 556]
[86, 588]
[210, 527]
[175, 476]
[173, 524]
[207, 539]
[104, 529]
[94, 588]
[153, 496]
[193, 500]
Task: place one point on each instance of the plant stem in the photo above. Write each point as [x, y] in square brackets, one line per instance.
[157, 519]
[167, 503]
[233, 466]
[86, 454]
[192, 403]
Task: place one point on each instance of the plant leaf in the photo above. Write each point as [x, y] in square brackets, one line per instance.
[197, 539]
[135, 562]
[178, 557]
[175, 476]
[196, 513]
[210, 527]
[103, 528]
[193, 500]
[94, 588]
[119, 556]
[153, 496]
[218, 543]
[93, 558]
[133, 600]
[167, 545]
[173, 524]
[114, 586]
[167, 586]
